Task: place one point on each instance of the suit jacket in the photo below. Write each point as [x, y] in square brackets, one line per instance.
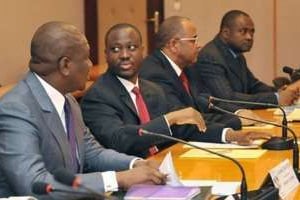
[110, 114]
[33, 143]
[158, 69]
[230, 78]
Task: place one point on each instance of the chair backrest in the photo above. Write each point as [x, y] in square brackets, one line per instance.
[5, 88]
[94, 73]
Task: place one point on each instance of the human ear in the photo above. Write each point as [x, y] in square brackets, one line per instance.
[64, 65]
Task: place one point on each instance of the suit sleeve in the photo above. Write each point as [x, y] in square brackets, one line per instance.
[187, 132]
[22, 161]
[214, 75]
[115, 128]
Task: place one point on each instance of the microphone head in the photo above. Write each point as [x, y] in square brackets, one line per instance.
[280, 81]
[41, 188]
[288, 70]
[211, 106]
[66, 177]
[295, 76]
[140, 132]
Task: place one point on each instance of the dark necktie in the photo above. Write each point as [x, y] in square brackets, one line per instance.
[71, 135]
[185, 82]
[141, 106]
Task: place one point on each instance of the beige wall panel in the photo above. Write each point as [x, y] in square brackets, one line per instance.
[19, 19]
[115, 11]
[207, 16]
[288, 32]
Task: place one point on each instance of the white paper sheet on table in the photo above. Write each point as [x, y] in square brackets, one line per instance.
[218, 187]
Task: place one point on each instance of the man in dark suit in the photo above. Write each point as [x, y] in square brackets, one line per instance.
[223, 68]
[41, 128]
[111, 111]
[169, 63]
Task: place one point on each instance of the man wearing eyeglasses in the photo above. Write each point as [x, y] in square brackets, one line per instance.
[177, 48]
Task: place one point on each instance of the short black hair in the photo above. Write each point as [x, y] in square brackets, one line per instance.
[230, 16]
[121, 26]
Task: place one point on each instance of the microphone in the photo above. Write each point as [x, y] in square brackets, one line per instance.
[263, 193]
[42, 188]
[65, 177]
[275, 143]
[280, 82]
[243, 181]
[294, 73]
[273, 139]
[288, 70]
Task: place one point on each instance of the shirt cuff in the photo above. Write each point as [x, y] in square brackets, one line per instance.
[170, 131]
[224, 132]
[277, 96]
[110, 181]
[238, 111]
[132, 162]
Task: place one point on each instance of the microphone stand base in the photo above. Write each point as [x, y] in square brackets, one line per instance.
[278, 143]
[266, 193]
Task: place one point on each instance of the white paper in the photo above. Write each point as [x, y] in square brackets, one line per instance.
[197, 183]
[284, 178]
[167, 167]
[225, 188]
[287, 109]
[294, 115]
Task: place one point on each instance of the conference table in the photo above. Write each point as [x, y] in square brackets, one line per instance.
[220, 169]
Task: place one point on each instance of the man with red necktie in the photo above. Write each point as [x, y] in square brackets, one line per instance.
[119, 103]
[115, 113]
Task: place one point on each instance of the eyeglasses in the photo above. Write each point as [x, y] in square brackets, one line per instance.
[195, 39]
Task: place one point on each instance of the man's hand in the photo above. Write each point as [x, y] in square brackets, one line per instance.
[143, 171]
[186, 116]
[289, 95]
[246, 137]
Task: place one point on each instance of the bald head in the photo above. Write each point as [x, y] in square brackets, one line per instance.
[171, 27]
[51, 42]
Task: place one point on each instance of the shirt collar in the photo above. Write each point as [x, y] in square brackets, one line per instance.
[127, 84]
[57, 99]
[233, 53]
[173, 64]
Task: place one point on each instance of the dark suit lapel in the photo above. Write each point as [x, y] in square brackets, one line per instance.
[50, 115]
[234, 64]
[174, 77]
[117, 86]
[150, 99]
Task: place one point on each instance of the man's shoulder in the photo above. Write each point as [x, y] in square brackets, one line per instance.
[150, 85]
[213, 51]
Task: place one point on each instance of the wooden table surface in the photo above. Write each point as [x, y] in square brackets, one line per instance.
[221, 169]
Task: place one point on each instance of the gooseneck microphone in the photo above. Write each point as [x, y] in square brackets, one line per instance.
[294, 73]
[294, 141]
[243, 180]
[65, 177]
[279, 143]
[42, 188]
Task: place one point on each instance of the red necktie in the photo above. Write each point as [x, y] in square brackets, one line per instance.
[141, 106]
[185, 82]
